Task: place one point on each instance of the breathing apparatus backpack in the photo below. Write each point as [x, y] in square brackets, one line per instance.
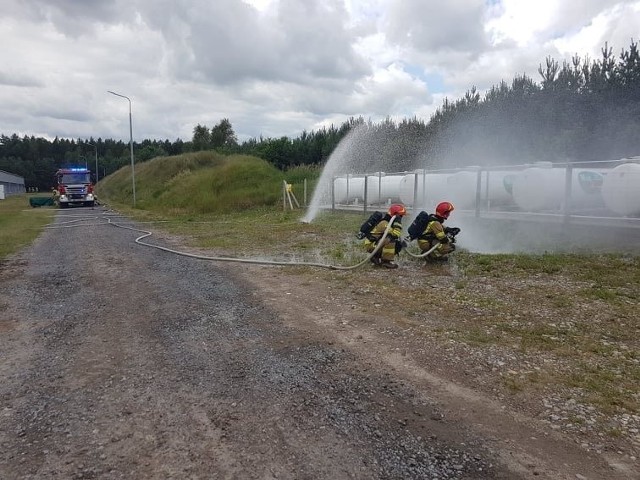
[419, 225]
[372, 221]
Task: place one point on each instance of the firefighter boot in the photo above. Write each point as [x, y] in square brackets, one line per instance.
[435, 259]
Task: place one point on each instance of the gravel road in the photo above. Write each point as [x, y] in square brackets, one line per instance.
[120, 361]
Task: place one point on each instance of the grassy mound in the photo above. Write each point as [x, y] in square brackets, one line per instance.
[201, 183]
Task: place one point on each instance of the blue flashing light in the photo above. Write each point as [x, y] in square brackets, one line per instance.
[74, 170]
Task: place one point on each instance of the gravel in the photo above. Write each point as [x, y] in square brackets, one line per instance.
[121, 361]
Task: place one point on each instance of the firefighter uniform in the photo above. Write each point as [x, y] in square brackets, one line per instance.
[435, 232]
[392, 243]
[432, 234]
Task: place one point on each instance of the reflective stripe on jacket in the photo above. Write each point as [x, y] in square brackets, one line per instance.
[394, 233]
[434, 230]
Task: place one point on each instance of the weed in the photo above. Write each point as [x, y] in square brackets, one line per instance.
[459, 284]
[614, 432]
[477, 336]
[513, 384]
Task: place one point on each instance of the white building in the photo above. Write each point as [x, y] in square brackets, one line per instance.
[10, 184]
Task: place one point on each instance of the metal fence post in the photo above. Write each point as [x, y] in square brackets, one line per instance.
[415, 190]
[366, 193]
[486, 186]
[478, 191]
[333, 194]
[568, 186]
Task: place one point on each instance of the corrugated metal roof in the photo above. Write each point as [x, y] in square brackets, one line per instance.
[6, 177]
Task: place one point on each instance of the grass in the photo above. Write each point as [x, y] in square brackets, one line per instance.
[20, 224]
[578, 311]
[203, 183]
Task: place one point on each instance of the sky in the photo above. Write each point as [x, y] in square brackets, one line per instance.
[274, 67]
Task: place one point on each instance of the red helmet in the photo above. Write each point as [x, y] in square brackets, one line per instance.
[444, 209]
[397, 209]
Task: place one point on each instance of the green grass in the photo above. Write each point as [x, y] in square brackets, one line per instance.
[203, 183]
[20, 224]
[580, 310]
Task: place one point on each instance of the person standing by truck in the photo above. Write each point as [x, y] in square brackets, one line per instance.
[55, 194]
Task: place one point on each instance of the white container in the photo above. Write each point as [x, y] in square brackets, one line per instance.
[380, 189]
[348, 189]
[462, 187]
[389, 190]
[538, 189]
[621, 189]
[432, 189]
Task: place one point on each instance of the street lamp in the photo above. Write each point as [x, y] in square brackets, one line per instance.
[96, 147]
[133, 172]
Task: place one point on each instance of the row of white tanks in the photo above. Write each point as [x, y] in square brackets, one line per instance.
[538, 188]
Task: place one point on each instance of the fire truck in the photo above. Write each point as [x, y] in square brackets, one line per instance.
[74, 187]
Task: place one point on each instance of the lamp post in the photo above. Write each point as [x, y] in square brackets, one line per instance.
[96, 147]
[133, 172]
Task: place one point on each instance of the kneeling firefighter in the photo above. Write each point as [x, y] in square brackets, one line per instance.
[393, 244]
[429, 230]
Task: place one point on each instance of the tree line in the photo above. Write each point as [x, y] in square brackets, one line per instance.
[580, 110]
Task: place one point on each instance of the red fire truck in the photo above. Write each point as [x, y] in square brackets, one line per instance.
[75, 187]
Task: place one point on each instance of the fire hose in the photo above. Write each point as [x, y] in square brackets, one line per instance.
[139, 241]
[253, 261]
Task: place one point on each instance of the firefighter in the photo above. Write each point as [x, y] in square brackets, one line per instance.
[55, 194]
[435, 232]
[393, 244]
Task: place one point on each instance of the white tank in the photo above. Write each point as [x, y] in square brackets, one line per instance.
[462, 188]
[390, 189]
[621, 189]
[435, 192]
[380, 189]
[349, 189]
[543, 188]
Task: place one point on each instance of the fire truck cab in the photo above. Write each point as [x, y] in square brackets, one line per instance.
[74, 187]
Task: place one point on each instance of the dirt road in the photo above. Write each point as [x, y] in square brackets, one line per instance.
[120, 361]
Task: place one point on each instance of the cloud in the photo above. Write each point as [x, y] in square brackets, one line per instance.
[70, 17]
[228, 41]
[19, 79]
[274, 67]
[431, 27]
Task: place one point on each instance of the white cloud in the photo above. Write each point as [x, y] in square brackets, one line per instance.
[521, 22]
[614, 25]
[274, 67]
